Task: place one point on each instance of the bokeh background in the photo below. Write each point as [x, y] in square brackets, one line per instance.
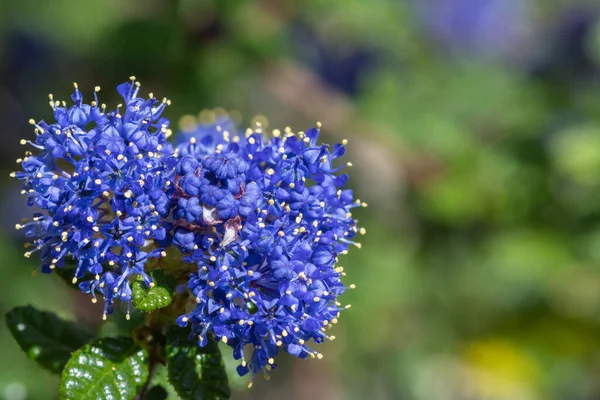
[474, 130]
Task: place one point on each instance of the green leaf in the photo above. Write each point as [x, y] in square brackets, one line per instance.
[156, 393]
[46, 338]
[150, 299]
[108, 368]
[195, 372]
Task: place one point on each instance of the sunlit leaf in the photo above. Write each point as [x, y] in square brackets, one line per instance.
[108, 368]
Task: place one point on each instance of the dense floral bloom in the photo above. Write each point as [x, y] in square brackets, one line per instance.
[101, 179]
[264, 220]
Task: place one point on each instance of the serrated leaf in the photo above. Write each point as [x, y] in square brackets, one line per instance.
[108, 368]
[150, 299]
[195, 372]
[46, 338]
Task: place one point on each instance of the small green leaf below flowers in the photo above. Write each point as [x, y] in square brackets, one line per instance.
[108, 368]
[46, 338]
[195, 372]
[152, 298]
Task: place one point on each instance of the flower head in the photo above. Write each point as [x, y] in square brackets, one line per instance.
[265, 220]
[102, 180]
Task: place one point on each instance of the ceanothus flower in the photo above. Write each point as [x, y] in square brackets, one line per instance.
[102, 181]
[209, 135]
[265, 220]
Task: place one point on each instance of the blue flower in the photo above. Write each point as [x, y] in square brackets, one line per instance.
[103, 180]
[208, 135]
[265, 220]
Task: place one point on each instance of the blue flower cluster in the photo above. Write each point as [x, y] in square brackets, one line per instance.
[102, 179]
[261, 217]
[265, 220]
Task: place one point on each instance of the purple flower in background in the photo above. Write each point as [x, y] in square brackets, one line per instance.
[489, 28]
[567, 58]
[340, 65]
[264, 218]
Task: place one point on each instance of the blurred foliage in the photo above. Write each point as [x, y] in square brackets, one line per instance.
[479, 277]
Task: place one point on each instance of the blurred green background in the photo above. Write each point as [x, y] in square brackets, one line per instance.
[474, 130]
